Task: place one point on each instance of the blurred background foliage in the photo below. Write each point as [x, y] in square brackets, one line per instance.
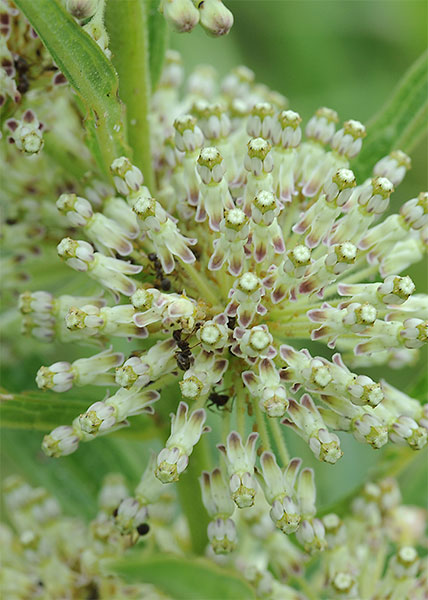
[348, 55]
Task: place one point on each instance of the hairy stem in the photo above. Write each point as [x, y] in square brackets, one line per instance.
[126, 22]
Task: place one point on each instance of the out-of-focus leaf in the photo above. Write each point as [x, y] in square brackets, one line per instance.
[38, 411]
[158, 40]
[394, 462]
[414, 480]
[182, 578]
[401, 122]
[420, 389]
[86, 68]
[43, 411]
[75, 479]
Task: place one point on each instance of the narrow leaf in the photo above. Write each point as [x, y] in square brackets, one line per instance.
[420, 389]
[74, 480]
[43, 411]
[401, 122]
[183, 579]
[87, 70]
[38, 411]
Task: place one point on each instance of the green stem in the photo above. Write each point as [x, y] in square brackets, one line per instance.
[261, 425]
[189, 494]
[200, 283]
[126, 22]
[240, 414]
[355, 276]
[279, 441]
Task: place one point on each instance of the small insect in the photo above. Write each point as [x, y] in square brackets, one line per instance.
[231, 322]
[218, 400]
[143, 529]
[92, 591]
[161, 282]
[22, 67]
[184, 355]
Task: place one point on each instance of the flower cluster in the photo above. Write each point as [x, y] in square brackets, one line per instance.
[371, 553]
[51, 555]
[181, 15]
[256, 241]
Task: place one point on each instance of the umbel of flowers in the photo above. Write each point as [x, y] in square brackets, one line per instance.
[50, 554]
[256, 240]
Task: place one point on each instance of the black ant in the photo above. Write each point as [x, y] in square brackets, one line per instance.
[218, 400]
[143, 529]
[22, 67]
[184, 355]
[231, 322]
[161, 282]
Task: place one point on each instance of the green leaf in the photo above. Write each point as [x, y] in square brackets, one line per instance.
[158, 40]
[395, 460]
[38, 411]
[183, 579]
[76, 479]
[87, 70]
[420, 389]
[43, 411]
[402, 121]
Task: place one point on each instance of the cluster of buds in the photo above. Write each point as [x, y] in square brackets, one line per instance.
[50, 553]
[292, 500]
[184, 15]
[45, 543]
[255, 234]
[44, 316]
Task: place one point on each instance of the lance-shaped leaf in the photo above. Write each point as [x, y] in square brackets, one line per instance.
[185, 580]
[87, 70]
[43, 411]
[401, 123]
[74, 480]
[38, 411]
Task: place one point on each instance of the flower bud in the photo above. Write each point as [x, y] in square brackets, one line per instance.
[82, 9]
[27, 133]
[240, 461]
[181, 15]
[215, 18]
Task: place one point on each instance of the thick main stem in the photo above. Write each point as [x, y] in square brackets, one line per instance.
[126, 22]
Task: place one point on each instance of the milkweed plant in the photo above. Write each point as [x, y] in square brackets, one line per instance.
[225, 273]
